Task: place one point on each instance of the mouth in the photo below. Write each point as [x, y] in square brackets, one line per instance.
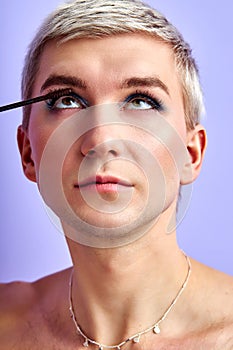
[106, 183]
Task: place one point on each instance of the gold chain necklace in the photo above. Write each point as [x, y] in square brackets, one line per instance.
[136, 337]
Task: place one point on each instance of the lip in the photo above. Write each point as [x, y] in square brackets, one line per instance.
[103, 180]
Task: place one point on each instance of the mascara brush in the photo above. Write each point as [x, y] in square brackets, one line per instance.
[54, 94]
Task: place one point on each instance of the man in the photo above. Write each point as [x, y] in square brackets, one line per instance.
[109, 149]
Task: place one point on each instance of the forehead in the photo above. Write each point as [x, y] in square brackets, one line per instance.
[104, 63]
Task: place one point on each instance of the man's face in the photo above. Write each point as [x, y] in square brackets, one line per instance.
[130, 163]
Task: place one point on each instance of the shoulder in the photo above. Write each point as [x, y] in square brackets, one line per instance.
[214, 291]
[19, 297]
[219, 288]
[24, 308]
[16, 303]
[16, 297]
[211, 306]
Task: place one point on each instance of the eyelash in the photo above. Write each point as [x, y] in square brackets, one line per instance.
[148, 97]
[156, 103]
[59, 93]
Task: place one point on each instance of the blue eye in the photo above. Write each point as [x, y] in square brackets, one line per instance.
[68, 101]
[142, 101]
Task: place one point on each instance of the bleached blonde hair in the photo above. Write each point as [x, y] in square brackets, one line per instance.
[101, 18]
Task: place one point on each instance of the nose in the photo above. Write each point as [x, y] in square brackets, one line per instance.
[103, 137]
[102, 142]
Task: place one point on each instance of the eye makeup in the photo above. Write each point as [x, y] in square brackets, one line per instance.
[51, 95]
[71, 100]
[146, 97]
[141, 100]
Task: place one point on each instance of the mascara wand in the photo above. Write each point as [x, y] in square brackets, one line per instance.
[54, 94]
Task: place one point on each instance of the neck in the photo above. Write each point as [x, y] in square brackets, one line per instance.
[119, 292]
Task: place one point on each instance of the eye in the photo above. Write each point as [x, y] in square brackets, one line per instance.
[139, 103]
[142, 101]
[69, 101]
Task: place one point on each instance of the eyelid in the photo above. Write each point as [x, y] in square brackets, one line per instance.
[68, 92]
[61, 93]
[156, 102]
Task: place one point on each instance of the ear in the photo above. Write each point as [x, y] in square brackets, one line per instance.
[26, 154]
[196, 146]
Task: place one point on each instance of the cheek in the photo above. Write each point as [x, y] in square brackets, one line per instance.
[167, 164]
[39, 136]
[166, 156]
[42, 125]
[38, 144]
[70, 164]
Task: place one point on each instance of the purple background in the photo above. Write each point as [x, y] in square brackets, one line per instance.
[30, 246]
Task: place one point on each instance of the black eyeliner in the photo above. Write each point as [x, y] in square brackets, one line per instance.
[155, 102]
[56, 94]
[51, 95]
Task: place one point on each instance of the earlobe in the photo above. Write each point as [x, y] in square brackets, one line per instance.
[26, 154]
[196, 146]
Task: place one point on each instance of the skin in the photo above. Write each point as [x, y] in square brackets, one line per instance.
[117, 292]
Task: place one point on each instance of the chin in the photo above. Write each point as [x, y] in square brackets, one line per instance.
[109, 231]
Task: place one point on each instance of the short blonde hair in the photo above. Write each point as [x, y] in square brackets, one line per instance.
[101, 18]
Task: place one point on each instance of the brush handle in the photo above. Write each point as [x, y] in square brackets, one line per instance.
[53, 94]
[25, 102]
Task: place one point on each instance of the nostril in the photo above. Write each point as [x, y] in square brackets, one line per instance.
[113, 152]
[101, 152]
[91, 152]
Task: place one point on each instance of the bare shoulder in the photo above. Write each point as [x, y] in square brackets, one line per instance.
[219, 286]
[211, 310]
[16, 301]
[222, 292]
[215, 294]
[25, 308]
[15, 298]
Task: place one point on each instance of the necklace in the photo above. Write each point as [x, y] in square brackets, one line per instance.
[136, 337]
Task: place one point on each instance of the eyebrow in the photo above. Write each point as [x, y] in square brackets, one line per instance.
[145, 81]
[73, 81]
[65, 80]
